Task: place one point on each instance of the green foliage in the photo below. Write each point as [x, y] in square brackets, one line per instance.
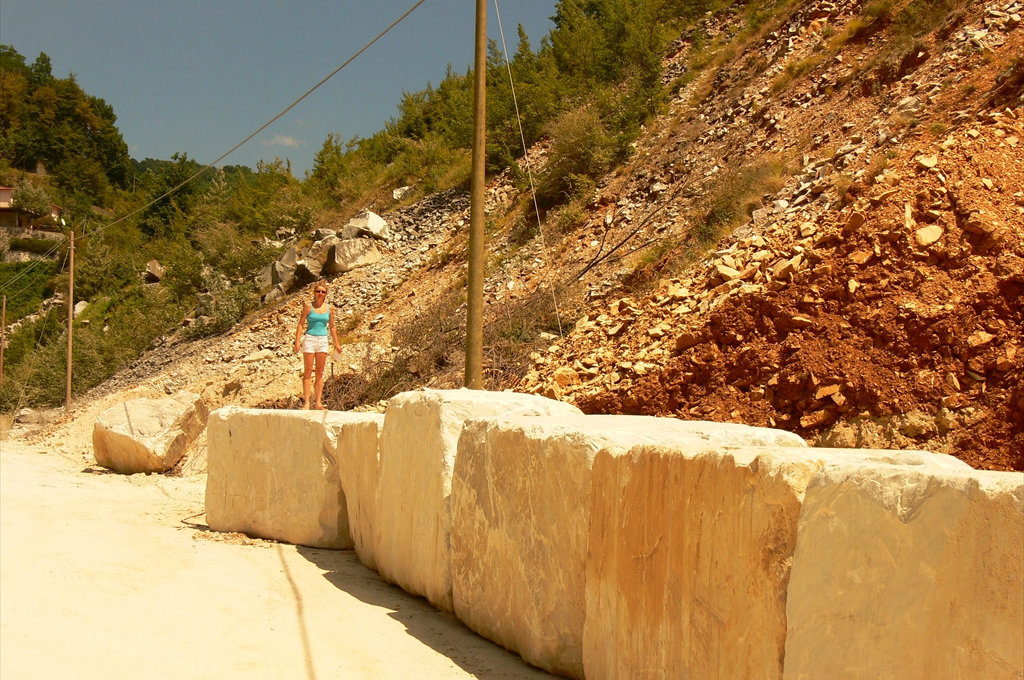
[33, 285]
[227, 308]
[580, 152]
[38, 246]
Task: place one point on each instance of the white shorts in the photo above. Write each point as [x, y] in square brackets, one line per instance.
[314, 344]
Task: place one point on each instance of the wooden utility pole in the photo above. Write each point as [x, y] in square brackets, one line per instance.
[3, 341]
[475, 281]
[71, 315]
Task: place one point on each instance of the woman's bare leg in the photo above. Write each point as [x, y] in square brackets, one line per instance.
[321, 361]
[307, 361]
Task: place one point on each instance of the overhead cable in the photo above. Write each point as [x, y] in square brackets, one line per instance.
[268, 123]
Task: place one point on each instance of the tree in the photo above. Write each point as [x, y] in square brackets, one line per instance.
[30, 198]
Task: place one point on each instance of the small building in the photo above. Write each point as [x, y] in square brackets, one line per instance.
[12, 218]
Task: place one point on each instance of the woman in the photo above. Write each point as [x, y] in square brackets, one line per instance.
[317, 318]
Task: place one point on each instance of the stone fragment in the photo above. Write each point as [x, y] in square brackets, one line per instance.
[825, 392]
[814, 419]
[350, 254]
[275, 474]
[689, 556]
[688, 339]
[154, 272]
[905, 572]
[807, 229]
[519, 541]
[926, 236]
[148, 435]
[926, 162]
[565, 376]
[401, 192]
[418, 449]
[801, 321]
[979, 223]
[727, 273]
[979, 339]
[854, 222]
[861, 257]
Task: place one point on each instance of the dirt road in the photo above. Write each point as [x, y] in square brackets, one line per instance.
[102, 579]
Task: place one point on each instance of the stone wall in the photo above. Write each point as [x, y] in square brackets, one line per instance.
[623, 546]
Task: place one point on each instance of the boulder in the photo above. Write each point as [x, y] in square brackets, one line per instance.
[321, 233]
[290, 257]
[307, 271]
[904, 572]
[401, 192]
[521, 505]
[359, 469]
[367, 224]
[265, 279]
[80, 307]
[282, 273]
[319, 250]
[690, 554]
[154, 272]
[417, 453]
[276, 474]
[276, 293]
[148, 435]
[350, 254]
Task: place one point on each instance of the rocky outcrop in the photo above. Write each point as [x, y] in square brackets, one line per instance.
[690, 554]
[418, 452]
[908, 572]
[277, 474]
[521, 506]
[148, 435]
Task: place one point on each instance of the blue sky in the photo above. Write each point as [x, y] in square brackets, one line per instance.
[199, 76]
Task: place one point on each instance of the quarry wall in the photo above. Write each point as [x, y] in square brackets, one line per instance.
[628, 547]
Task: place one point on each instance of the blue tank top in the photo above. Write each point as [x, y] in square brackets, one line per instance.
[316, 323]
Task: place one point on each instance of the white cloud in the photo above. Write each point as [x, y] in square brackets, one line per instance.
[284, 140]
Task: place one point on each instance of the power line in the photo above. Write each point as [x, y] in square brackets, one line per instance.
[268, 123]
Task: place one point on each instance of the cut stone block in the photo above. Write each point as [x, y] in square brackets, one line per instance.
[690, 556]
[908, 573]
[276, 474]
[521, 504]
[418, 451]
[359, 469]
[148, 435]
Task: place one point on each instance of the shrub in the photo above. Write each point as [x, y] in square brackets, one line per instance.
[580, 151]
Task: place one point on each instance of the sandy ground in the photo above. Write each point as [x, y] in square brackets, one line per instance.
[101, 578]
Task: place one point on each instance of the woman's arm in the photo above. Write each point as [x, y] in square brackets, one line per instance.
[302, 322]
[334, 331]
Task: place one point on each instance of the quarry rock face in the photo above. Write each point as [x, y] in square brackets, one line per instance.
[418, 451]
[148, 435]
[521, 515]
[359, 470]
[277, 474]
[908, 572]
[690, 556]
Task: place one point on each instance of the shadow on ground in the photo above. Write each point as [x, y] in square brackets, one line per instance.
[440, 631]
